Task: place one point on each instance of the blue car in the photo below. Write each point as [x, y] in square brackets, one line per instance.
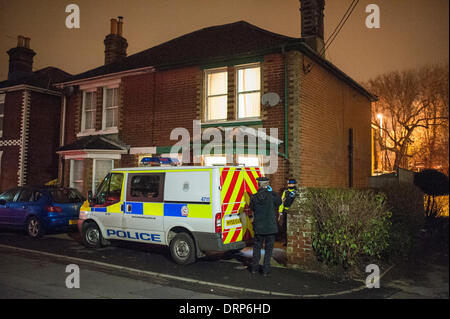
[40, 210]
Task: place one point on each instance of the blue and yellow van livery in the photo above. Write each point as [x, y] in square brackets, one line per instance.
[190, 209]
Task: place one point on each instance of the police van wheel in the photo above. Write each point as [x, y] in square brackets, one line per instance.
[91, 236]
[182, 249]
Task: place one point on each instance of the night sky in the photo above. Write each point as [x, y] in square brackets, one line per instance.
[412, 33]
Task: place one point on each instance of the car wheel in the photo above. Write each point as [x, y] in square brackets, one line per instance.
[91, 235]
[182, 249]
[34, 227]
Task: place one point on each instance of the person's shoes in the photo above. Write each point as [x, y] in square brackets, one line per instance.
[253, 270]
[266, 274]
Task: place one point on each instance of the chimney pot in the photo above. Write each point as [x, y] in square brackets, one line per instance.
[119, 25]
[115, 44]
[27, 42]
[20, 41]
[113, 26]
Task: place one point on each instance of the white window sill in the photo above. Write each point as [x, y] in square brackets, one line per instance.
[112, 130]
[237, 121]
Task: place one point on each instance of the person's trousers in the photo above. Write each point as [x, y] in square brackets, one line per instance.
[268, 241]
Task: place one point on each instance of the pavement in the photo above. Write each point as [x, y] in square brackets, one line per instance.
[25, 277]
[223, 275]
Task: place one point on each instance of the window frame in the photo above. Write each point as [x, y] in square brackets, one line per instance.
[237, 93]
[83, 111]
[206, 99]
[72, 182]
[105, 109]
[158, 199]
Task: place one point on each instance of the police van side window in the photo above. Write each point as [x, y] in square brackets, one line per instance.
[145, 187]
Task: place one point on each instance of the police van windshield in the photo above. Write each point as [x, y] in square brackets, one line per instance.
[109, 191]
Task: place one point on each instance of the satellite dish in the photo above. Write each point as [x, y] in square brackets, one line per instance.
[270, 99]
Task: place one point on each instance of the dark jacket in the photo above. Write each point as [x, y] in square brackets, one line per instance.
[264, 204]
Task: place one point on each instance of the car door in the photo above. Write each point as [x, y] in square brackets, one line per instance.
[144, 205]
[20, 207]
[6, 212]
[108, 201]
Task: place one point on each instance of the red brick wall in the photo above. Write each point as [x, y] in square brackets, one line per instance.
[72, 118]
[9, 167]
[136, 115]
[12, 115]
[43, 138]
[149, 118]
[11, 131]
[273, 116]
[175, 103]
[328, 109]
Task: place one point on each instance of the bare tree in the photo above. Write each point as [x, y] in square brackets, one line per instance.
[410, 101]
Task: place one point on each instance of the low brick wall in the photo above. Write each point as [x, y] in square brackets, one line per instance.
[299, 251]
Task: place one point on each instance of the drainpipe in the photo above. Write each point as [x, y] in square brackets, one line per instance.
[62, 137]
[285, 154]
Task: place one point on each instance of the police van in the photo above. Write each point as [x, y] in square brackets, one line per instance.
[191, 210]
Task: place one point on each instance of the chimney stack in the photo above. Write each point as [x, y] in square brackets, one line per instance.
[20, 59]
[311, 12]
[115, 45]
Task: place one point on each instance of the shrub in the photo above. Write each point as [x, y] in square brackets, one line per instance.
[348, 225]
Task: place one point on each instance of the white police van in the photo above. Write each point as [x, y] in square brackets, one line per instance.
[190, 209]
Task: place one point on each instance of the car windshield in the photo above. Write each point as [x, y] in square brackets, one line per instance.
[66, 196]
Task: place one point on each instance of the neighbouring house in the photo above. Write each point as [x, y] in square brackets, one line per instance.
[118, 113]
[30, 114]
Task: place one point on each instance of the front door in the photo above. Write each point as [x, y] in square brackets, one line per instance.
[144, 207]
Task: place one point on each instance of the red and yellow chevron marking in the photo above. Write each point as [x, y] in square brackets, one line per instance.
[237, 186]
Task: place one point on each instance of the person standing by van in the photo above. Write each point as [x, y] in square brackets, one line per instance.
[287, 199]
[264, 204]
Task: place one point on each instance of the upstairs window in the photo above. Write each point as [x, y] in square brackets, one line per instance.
[89, 108]
[248, 91]
[2, 112]
[216, 94]
[110, 107]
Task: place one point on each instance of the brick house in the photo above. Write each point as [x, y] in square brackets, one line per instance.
[30, 113]
[117, 113]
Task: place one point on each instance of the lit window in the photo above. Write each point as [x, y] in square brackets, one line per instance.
[214, 160]
[76, 174]
[216, 94]
[249, 91]
[89, 106]
[110, 107]
[248, 160]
